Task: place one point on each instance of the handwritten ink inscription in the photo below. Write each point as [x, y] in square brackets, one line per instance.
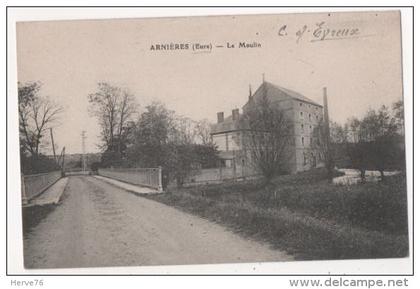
[321, 32]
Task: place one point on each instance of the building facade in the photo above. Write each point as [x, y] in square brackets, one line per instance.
[303, 113]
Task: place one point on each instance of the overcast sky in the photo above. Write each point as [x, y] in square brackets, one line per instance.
[70, 57]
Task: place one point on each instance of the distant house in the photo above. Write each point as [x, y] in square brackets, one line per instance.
[303, 113]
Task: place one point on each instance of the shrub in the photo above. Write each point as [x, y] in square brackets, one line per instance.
[37, 165]
[95, 166]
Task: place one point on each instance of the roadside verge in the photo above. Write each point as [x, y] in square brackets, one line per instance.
[43, 204]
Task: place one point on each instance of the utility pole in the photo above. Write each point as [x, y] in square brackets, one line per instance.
[61, 159]
[84, 150]
[52, 143]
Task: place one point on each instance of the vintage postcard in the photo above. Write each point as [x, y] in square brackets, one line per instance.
[212, 139]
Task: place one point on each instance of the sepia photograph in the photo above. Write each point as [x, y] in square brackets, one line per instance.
[211, 139]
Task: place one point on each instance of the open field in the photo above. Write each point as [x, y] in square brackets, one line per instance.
[307, 216]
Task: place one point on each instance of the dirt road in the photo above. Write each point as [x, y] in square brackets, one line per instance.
[99, 225]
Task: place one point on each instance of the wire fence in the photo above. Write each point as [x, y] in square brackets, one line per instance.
[219, 175]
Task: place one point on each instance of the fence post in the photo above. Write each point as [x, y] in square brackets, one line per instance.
[160, 188]
[22, 183]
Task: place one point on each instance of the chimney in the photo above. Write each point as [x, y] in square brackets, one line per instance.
[235, 114]
[326, 118]
[220, 117]
[329, 163]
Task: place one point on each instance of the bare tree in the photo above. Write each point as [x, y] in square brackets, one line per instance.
[327, 154]
[321, 137]
[267, 137]
[36, 115]
[183, 130]
[203, 128]
[398, 113]
[27, 93]
[114, 107]
[127, 109]
[338, 133]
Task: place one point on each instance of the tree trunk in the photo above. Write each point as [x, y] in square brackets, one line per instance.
[363, 175]
[382, 175]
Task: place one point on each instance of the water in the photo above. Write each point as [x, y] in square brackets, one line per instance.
[352, 176]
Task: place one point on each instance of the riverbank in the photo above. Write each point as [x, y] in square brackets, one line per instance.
[306, 216]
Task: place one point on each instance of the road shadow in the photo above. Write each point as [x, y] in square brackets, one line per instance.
[33, 215]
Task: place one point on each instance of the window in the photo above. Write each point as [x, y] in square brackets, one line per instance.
[317, 117]
[302, 127]
[309, 116]
[300, 104]
[303, 141]
[310, 141]
[301, 114]
[304, 159]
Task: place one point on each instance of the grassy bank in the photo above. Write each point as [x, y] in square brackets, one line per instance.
[306, 216]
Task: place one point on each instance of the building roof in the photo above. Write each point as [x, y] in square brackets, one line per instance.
[280, 93]
[228, 124]
[293, 94]
[273, 92]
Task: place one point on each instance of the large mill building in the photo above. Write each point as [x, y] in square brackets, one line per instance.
[303, 113]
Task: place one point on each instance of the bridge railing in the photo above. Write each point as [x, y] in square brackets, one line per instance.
[76, 171]
[147, 177]
[34, 185]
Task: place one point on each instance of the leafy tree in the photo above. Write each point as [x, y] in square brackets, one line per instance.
[151, 134]
[357, 153]
[376, 143]
[94, 167]
[377, 124]
[180, 161]
[161, 138]
[207, 155]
